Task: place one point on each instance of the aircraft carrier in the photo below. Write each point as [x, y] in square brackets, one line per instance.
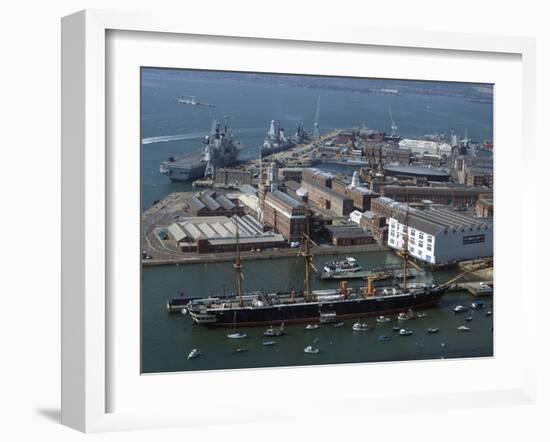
[219, 150]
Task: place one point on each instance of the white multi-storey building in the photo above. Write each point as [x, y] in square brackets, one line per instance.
[439, 236]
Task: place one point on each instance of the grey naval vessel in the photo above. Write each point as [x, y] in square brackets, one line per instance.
[276, 140]
[219, 150]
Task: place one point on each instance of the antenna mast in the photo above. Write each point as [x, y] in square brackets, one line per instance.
[316, 122]
[393, 125]
[238, 267]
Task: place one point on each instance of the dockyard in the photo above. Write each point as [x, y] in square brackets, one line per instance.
[326, 233]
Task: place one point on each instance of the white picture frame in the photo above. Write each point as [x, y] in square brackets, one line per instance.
[86, 205]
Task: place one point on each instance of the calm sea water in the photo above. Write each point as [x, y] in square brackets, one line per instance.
[167, 338]
[169, 129]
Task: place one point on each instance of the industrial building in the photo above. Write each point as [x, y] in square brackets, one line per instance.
[451, 194]
[284, 215]
[441, 235]
[210, 203]
[290, 173]
[232, 177]
[375, 224]
[425, 146]
[218, 234]
[360, 195]
[328, 199]
[348, 235]
[429, 173]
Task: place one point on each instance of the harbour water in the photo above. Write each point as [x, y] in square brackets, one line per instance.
[170, 129]
[168, 338]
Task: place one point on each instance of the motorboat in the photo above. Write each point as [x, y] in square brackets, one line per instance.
[463, 328]
[310, 350]
[460, 309]
[275, 331]
[477, 305]
[489, 313]
[240, 349]
[383, 319]
[360, 326]
[433, 330]
[405, 332]
[402, 316]
[193, 354]
[384, 338]
[347, 265]
[237, 335]
[468, 318]
[312, 326]
[339, 324]
[269, 343]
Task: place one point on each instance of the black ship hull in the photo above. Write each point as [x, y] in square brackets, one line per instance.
[311, 311]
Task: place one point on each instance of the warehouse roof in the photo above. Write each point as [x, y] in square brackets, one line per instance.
[286, 199]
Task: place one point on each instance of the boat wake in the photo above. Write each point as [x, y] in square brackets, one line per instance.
[191, 136]
[168, 138]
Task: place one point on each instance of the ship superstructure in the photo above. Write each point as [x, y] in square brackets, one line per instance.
[219, 150]
[276, 140]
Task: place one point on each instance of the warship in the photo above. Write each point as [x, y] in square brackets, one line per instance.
[311, 306]
[275, 141]
[219, 150]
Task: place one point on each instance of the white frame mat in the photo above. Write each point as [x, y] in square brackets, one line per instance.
[87, 360]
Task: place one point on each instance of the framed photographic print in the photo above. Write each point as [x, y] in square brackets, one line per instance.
[250, 216]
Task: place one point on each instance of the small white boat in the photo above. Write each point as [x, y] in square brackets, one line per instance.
[269, 343]
[468, 318]
[421, 315]
[275, 331]
[237, 335]
[360, 326]
[383, 319]
[405, 332]
[310, 350]
[193, 354]
[477, 305]
[463, 328]
[489, 313]
[240, 349]
[338, 324]
[460, 309]
[312, 326]
[433, 330]
[402, 316]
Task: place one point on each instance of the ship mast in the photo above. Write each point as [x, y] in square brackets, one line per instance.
[308, 257]
[406, 250]
[238, 267]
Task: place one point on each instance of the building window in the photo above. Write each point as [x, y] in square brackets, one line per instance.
[429, 248]
[430, 238]
[421, 235]
[421, 244]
